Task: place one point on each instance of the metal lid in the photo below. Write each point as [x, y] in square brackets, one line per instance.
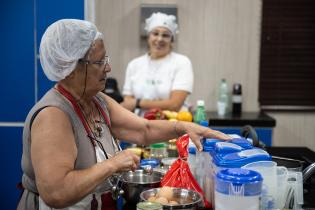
[146, 205]
[158, 146]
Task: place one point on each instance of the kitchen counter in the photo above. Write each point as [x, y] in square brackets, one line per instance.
[232, 124]
[255, 119]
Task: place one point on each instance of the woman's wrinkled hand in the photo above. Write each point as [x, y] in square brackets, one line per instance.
[197, 132]
[125, 161]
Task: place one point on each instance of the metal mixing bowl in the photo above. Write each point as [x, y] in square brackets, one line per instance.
[187, 199]
[133, 183]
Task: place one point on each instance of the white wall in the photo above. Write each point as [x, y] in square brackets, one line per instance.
[222, 39]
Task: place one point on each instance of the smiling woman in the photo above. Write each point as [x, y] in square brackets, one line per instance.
[161, 78]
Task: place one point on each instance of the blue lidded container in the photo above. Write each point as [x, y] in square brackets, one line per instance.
[209, 144]
[238, 181]
[239, 159]
[192, 150]
[224, 148]
[242, 142]
[149, 161]
[237, 144]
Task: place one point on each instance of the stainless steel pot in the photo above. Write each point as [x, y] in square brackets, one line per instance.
[187, 199]
[133, 183]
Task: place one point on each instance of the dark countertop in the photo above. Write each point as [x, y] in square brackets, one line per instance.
[255, 119]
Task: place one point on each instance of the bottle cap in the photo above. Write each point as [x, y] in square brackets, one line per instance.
[200, 103]
[158, 146]
[204, 123]
[237, 89]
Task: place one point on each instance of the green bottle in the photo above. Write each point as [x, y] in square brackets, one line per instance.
[200, 114]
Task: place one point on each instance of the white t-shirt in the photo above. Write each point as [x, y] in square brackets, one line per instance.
[155, 79]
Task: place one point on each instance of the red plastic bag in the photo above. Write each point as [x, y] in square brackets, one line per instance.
[179, 175]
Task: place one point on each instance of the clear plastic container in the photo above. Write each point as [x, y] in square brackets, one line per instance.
[274, 184]
[237, 189]
[268, 170]
[192, 160]
[168, 162]
[203, 169]
[158, 151]
[235, 160]
[294, 196]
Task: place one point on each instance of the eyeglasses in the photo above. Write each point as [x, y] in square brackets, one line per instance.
[101, 63]
[163, 35]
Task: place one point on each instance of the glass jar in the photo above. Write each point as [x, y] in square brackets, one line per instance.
[172, 148]
[158, 151]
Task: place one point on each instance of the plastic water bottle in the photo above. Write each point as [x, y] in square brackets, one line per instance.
[223, 98]
[200, 114]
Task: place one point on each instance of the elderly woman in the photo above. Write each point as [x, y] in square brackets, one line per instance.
[161, 78]
[69, 146]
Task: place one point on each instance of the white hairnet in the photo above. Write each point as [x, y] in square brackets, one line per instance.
[161, 20]
[63, 44]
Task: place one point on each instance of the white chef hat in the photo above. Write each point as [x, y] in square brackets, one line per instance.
[161, 20]
[63, 44]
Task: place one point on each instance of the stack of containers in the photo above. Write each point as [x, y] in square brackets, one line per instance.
[235, 160]
[203, 169]
[238, 159]
[218, 155]
[222, 148]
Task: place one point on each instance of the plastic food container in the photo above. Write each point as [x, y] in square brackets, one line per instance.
[192, 160]
[158, 151]
[235, 160]
[274, 184]
[237, 189]
[167, 162]
[149, 161]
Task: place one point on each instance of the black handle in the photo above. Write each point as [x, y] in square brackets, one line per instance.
[249, 131]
